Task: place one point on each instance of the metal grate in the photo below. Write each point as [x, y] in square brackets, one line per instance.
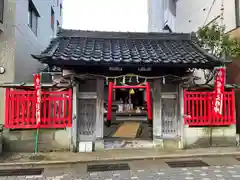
[190, 163]
[21, 172]
[108, 167]
[169, 117]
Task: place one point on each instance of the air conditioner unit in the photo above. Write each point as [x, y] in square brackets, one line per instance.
[67, 72]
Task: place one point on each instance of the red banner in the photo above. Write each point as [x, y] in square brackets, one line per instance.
[37, 86]
[218, 92]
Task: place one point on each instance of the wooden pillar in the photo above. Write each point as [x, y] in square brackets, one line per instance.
[181, 116]
[99, 143]
[157, 121]
[73, 131]
[100, 108]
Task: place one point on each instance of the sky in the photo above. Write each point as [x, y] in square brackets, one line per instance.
[105, 15]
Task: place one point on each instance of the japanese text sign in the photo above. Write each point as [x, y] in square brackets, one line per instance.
[37, 86]
[218, 92]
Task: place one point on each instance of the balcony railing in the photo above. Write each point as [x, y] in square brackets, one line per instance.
[1, 10]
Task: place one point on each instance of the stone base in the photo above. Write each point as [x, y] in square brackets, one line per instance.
[157, 142]
[202, 137]
[99, 145]
[172, 144]
[24, 140]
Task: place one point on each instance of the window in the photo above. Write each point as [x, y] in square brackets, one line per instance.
[1, 10]
[52, 18]
[33, 16]
[60, 9]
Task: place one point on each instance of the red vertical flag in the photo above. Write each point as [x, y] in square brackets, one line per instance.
[218, 92]
[37, 86]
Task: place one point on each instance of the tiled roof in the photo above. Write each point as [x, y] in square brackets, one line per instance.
[75, 47]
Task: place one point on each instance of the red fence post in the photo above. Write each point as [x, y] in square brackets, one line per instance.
[185, 106]
[110, 99]
[7, 103]
[148, 98]
[233, 119]
[70, 108]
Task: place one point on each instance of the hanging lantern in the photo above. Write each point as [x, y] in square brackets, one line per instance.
[163, 80]
[137, 79]
[123, 80]
[106, 82]
[131, 91]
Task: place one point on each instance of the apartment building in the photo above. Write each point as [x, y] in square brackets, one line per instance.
[161, 15]
[26, 26]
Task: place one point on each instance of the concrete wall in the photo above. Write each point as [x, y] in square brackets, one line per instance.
[49, 140]
[195, 137]
[191, 16]
[7, 49]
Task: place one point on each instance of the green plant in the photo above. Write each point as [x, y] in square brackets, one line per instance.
[214, 38]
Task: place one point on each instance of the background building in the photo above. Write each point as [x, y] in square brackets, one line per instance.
[191, 16]
[26, 26]
[161, 15]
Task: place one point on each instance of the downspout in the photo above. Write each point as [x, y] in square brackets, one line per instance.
[237, 13]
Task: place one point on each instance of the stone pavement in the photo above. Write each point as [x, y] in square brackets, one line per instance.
[110, 155]
[220, 168]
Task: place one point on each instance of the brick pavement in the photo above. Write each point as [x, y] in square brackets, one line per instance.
[220, 168]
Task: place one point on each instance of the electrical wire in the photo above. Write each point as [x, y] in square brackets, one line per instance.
[213, 2]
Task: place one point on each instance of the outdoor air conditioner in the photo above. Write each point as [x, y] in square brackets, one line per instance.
[67, 73]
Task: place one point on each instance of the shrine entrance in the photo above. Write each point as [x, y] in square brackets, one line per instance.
[128, 120]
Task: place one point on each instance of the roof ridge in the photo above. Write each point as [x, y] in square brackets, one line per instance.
[68, 33]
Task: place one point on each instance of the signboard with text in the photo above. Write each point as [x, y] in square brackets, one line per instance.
[218, 92]
[37, 86]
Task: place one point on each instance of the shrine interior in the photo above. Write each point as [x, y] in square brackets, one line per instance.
[129, 121]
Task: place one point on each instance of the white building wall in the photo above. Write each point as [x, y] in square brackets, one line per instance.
[192, 15]
[27, 42]
[155, 16]
[161, 14]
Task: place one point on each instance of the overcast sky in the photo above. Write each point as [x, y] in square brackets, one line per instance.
[108, 15]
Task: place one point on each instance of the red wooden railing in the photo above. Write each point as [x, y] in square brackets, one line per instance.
[20, 109]
[198, 109]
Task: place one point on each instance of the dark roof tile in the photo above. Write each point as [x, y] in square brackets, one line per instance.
[118, 47]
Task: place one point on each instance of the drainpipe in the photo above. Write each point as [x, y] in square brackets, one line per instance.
[237, 13]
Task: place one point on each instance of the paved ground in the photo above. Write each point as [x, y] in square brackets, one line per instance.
[117, 154]
[222, 167]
